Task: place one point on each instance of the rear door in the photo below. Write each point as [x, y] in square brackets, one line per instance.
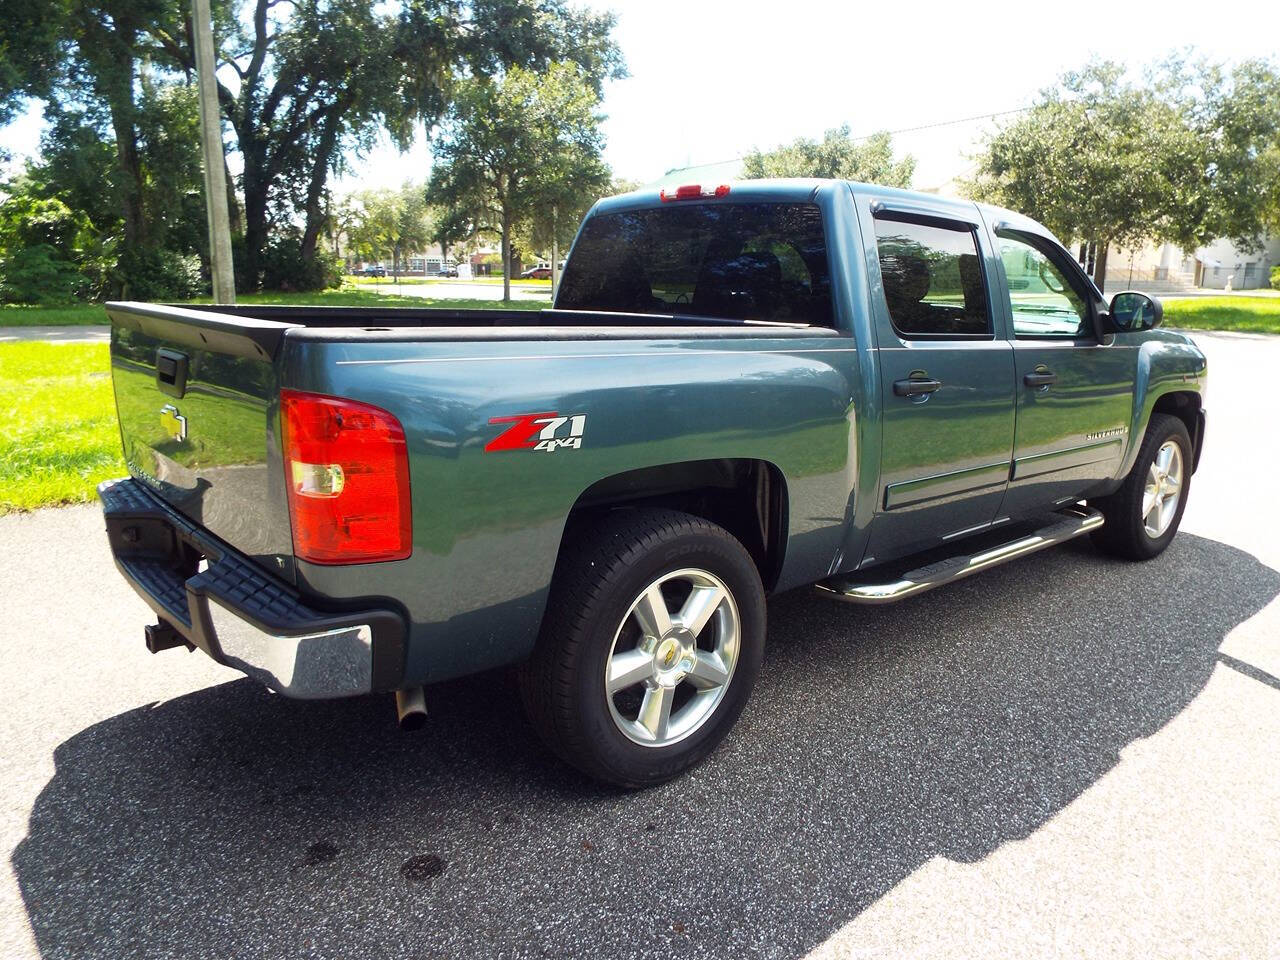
[1075, 392]
[946, 378]
[198, 398]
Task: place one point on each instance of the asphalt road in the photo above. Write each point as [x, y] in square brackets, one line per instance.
[1067, 756]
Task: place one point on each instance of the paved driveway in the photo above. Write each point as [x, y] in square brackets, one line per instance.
[1068, 756]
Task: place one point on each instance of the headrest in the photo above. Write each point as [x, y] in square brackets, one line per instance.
[906, 278]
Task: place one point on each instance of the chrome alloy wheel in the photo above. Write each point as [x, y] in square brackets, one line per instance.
[1163, 490]
[672, 657]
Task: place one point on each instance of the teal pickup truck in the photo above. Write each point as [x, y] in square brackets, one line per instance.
[739, 390]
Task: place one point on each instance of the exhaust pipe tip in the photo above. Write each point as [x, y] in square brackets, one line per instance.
[411, 708]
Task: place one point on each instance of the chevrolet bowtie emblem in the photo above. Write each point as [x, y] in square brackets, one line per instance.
[173, 423]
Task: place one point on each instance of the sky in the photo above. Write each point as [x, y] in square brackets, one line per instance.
[710, 81]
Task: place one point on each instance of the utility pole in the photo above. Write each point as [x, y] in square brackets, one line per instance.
[215, 184]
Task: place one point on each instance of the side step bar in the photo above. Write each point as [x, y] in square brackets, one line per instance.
[1066, 525]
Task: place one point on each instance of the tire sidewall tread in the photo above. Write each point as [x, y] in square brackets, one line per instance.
[604, 564]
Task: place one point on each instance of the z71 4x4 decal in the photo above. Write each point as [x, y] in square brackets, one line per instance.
[537, 431]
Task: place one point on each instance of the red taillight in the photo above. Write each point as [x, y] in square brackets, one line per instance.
[693, 191]
[347, 468]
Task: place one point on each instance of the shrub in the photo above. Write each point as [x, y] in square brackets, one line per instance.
[41, 275]
[1275, 277]
[153, 273]
[283, 267]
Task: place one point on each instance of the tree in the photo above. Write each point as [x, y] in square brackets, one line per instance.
[412, 224]
[511, 151]
[372, 223]
[330, 76]
[1185, 156]
[837, 156]
[1227, 170]
[313, 80]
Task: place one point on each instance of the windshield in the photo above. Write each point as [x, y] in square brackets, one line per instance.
[736, 261]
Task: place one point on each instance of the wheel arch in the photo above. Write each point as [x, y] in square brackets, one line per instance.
[748, 497]
[1186, 406]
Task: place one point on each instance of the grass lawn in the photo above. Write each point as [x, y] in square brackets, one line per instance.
[61, 437]
[91, 313]
[1247, 314]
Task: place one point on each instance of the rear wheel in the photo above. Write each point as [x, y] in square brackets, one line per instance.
[1144, 514]
[651, 644]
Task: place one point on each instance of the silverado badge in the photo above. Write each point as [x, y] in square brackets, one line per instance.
[174, 423]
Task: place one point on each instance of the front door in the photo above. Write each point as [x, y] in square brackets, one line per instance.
[1075, 393]
[947, 384]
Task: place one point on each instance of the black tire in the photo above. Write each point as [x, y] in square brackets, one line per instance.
[604, 565]
[1124, 534]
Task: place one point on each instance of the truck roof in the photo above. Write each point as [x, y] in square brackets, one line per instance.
[803, 189]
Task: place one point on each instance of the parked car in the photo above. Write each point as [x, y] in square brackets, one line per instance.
[537, 273]
[738, 391]
[373, 272]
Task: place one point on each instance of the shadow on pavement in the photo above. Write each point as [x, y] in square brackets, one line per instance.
[232, 823]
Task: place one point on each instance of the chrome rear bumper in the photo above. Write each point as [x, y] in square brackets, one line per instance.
[233, 611]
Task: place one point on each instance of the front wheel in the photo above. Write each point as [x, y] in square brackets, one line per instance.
[651, 644]
[1142, 517]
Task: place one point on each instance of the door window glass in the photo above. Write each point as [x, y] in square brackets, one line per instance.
[1041, 296]
[932, 277]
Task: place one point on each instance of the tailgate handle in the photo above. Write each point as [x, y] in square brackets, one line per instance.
[171, 372]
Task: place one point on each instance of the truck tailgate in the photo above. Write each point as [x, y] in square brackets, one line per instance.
[197, 395]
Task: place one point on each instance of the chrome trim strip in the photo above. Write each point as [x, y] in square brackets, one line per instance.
[1074, 522]
[909, 492]
[1022, 464]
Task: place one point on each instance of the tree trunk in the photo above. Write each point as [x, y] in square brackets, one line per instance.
[1100, 267]
[319, 180]
[233, 203]
[255, 235]
[506, 254]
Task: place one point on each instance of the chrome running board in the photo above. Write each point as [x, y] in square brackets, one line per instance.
[1067, 524]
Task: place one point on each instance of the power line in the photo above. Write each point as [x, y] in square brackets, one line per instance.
[892, 133]
[945, 123]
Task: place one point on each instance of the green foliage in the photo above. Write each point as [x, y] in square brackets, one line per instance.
[381, 222]
[154, 273]
[1187, 155]
[284, 267]
[836, 156]
[1275, 278]
[513, 152]
[38, 275]
[39, 239]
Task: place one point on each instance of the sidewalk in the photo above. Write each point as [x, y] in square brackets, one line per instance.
[63, 334]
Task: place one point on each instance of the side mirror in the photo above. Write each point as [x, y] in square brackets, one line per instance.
[1132, 311]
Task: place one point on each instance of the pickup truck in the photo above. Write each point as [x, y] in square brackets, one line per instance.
[739, 390]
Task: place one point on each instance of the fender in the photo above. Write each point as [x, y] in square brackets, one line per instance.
[1167, 363]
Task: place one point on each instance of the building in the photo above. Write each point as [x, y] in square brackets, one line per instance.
[1165, 269]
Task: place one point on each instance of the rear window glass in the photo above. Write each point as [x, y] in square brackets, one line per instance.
[736, 261]
[933, 281]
